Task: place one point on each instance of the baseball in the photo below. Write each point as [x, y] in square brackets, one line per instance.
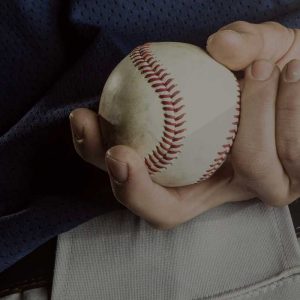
[176, 106]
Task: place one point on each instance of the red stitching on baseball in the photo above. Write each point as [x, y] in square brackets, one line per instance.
[156, 75]
[148, 66]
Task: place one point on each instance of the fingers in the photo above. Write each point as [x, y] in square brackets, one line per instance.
[87, 136]
[164, 208]
[254, 153]
[134, 188]
[240, 43]
[288, 120]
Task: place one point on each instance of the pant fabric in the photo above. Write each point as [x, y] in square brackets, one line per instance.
[236, 251]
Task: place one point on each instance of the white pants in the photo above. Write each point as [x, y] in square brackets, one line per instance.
[236, 251]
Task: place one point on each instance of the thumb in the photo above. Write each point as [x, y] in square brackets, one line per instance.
[240, 43]
[134, 188]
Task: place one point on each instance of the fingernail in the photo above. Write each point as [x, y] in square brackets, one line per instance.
[77, 131]
[292, 71]
[210, 39]
[262, 69]
[117, 169]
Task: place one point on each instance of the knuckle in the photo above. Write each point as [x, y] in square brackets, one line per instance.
[279, 200]
[237, 25]
[290, 104]
[279, 195]
[265, 96]
[292, 34]
[289, 150]
[275, 24]
[252, 172]
[241, 24]
[259, 93]
[283, 30]
[255, 167]
[285, 33]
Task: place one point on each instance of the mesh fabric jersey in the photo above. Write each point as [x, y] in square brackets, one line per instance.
[56, 56]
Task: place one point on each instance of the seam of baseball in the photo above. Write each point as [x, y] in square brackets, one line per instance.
[169, 146]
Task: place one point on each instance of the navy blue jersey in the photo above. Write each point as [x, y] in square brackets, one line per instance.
[55, 56]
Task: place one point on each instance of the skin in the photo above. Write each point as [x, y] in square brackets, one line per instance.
[265, 158]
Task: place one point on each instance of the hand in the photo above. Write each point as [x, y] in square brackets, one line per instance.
[263, 161]
[267, 158]
[240, 43]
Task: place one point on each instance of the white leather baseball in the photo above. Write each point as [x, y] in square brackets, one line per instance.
[176, 106]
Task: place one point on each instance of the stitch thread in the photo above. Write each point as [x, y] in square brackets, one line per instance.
[169, 147]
